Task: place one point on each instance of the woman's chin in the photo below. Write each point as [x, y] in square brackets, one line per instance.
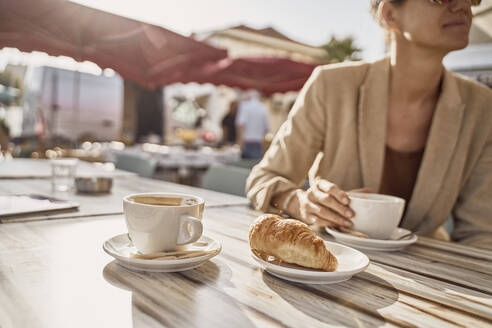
[458, 43]
[452, 46]
[459, 47]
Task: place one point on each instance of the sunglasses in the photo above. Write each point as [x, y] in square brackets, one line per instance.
[440, 2]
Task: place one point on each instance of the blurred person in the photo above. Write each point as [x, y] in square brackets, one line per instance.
[4, 141]
[229, 124]
[251, 126]
[403, 126]
[4, 137]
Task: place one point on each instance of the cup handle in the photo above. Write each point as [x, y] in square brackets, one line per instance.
[185, 237]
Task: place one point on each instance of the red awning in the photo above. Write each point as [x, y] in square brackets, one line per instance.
[139, 52]
[268, 75]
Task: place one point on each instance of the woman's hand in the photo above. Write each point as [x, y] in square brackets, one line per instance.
[323, 204]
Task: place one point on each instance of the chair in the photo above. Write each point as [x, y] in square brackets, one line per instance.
[227, 179]
[245, 163]
[445, 231]
[142, 165]
[449, 225]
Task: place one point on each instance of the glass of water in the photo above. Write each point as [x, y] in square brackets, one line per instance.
[63, 173]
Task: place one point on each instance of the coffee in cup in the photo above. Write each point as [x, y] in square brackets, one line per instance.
[376, 215]
[163, 200]
[160, 222]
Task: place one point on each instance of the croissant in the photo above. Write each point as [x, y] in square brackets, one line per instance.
[290, 241]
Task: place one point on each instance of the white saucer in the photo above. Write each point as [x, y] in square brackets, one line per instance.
[120, 247]
[350, 262]
[375, 244]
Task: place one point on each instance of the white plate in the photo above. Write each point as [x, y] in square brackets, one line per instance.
[350, 262]
[120, 247]
[375, 244]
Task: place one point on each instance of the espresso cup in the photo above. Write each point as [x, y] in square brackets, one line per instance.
[376, 215]
[161, 222]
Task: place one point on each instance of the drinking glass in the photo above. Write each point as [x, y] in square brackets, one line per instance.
[63, 173]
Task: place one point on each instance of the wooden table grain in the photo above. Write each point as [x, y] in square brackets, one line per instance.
[55, 274]
[28, 168]
[106, 204]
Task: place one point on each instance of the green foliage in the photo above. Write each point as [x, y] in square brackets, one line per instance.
[12, 93]
[340, 50]
[5, 78]
[8, 80]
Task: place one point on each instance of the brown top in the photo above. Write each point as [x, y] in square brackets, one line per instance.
[400, 173]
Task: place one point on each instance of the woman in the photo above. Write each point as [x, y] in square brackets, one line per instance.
[4, 138]
[403, 125]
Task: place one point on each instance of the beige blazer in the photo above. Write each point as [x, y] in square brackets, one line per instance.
[337, 131]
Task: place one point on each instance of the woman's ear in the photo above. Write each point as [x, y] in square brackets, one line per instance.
[387, 16]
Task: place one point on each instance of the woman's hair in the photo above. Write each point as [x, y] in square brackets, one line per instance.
[374, 12]
[375, 6]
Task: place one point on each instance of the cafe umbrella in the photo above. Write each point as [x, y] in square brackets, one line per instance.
[266, 74]
[146, 54]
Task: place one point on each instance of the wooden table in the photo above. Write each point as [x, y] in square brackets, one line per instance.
[55, 274]
[27, 168]
[106, 204]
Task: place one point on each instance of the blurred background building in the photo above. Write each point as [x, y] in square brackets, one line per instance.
[245, 41]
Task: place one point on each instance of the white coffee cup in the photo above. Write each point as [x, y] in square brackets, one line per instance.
[159, 222]
[376, 215]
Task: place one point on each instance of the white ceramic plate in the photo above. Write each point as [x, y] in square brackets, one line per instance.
[120, 247]
[350, 262]
[375, 244]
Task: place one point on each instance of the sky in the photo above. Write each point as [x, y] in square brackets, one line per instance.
[308, 21]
